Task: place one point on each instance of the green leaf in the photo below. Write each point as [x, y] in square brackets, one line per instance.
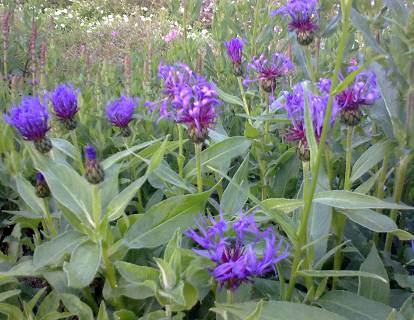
[371, 288]
[232, 200]
[371, 157]
[371, 220]
[67, 187]
[351, 200]
[11, 311]
[229, 98]
[165, 173]
[355, 307]
[340, 273]
[77, 307]
[219, 154]
[28, 194]
[55, 315]
[283, 205]
[7, 294]
[157, 156]
[50, 303]
[65, 147]
[167, 274]
[136, 274]
[160, 222]
[108, 162]
[310, 131]
[52, 251]
[83, 265]
[276, 310]
[117, 205]
[140, 291]
[102, 314]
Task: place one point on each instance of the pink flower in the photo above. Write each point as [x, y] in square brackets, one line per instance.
[172, 35]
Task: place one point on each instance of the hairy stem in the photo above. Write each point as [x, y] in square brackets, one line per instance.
[198, 166]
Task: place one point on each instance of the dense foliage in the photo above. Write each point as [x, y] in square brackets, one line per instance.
[204, 159]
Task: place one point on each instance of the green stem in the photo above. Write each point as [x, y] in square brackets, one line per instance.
[181, 158]
[229, 296]
[308, 259]
[168, 312]
[74, 139]
[309, 64]
[340, 218]
[198, 164]
[380, 188]
[91, 301]
[49, 221]
[96, 206]
[398, 190]
[109, 268]
[301, 235]
[245, 105]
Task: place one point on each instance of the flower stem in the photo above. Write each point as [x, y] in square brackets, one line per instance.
[49, 221]
[110, 271]
[340, 218]
[245, 105]
[198, 165]
[168, 312]
[181, 158]
[74, 139]
[229, 296]
[398, 190]
[96, 206]
[301, 234]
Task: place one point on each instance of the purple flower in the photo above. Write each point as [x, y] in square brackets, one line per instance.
[303, 15]
[189, 99]
[65, 104]
[120, 113]
[362, 92]
[294, 104]
[237, 256]
[269, 72]
[94, 172]
[235, 52]
[30, 118]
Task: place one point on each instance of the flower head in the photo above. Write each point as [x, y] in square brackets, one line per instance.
[269, 72]
[30, 118]
[303, 15]
[120, 113]
[239, 251]
[94, 172]
[362, 92]
[172, 35]
[189, 99]
[294, 104]
[42, 189]
[65, 104]
[235, 52]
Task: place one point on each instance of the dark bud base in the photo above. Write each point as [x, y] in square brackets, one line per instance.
[305, 38]
[351, 117]
[43, 145]
[94, 172]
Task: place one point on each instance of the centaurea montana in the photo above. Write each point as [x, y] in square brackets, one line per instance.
[31, 118]
[362, 92]
[269, 72]
[188, 99]
[240, 251]
[303, 15]
[120, 113]
[294, 104]
[94, 172]
[235, 52]
[41, 188]
[65, 105]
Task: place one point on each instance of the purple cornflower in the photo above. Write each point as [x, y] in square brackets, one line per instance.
[94, 172]
[189, 99]
[240, 251]
[42, 189]
[362, 92]
[30, 118]
[235, 52]
[294, 104]
[65, 104]
[120, 113]
[269, 72]
[303, 17]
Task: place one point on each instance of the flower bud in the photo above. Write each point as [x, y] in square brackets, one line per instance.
[94, 172]
[41, 188]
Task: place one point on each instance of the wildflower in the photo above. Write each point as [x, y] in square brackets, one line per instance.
[94, 172]
[172, 35]
[269, 72]
[120, 113]
[235, 53]
[189, 99]
[41, 188]
[303, 17]
[294, 104]
[65, 105]
[362, 92]
[239, 251]
[30, 118]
